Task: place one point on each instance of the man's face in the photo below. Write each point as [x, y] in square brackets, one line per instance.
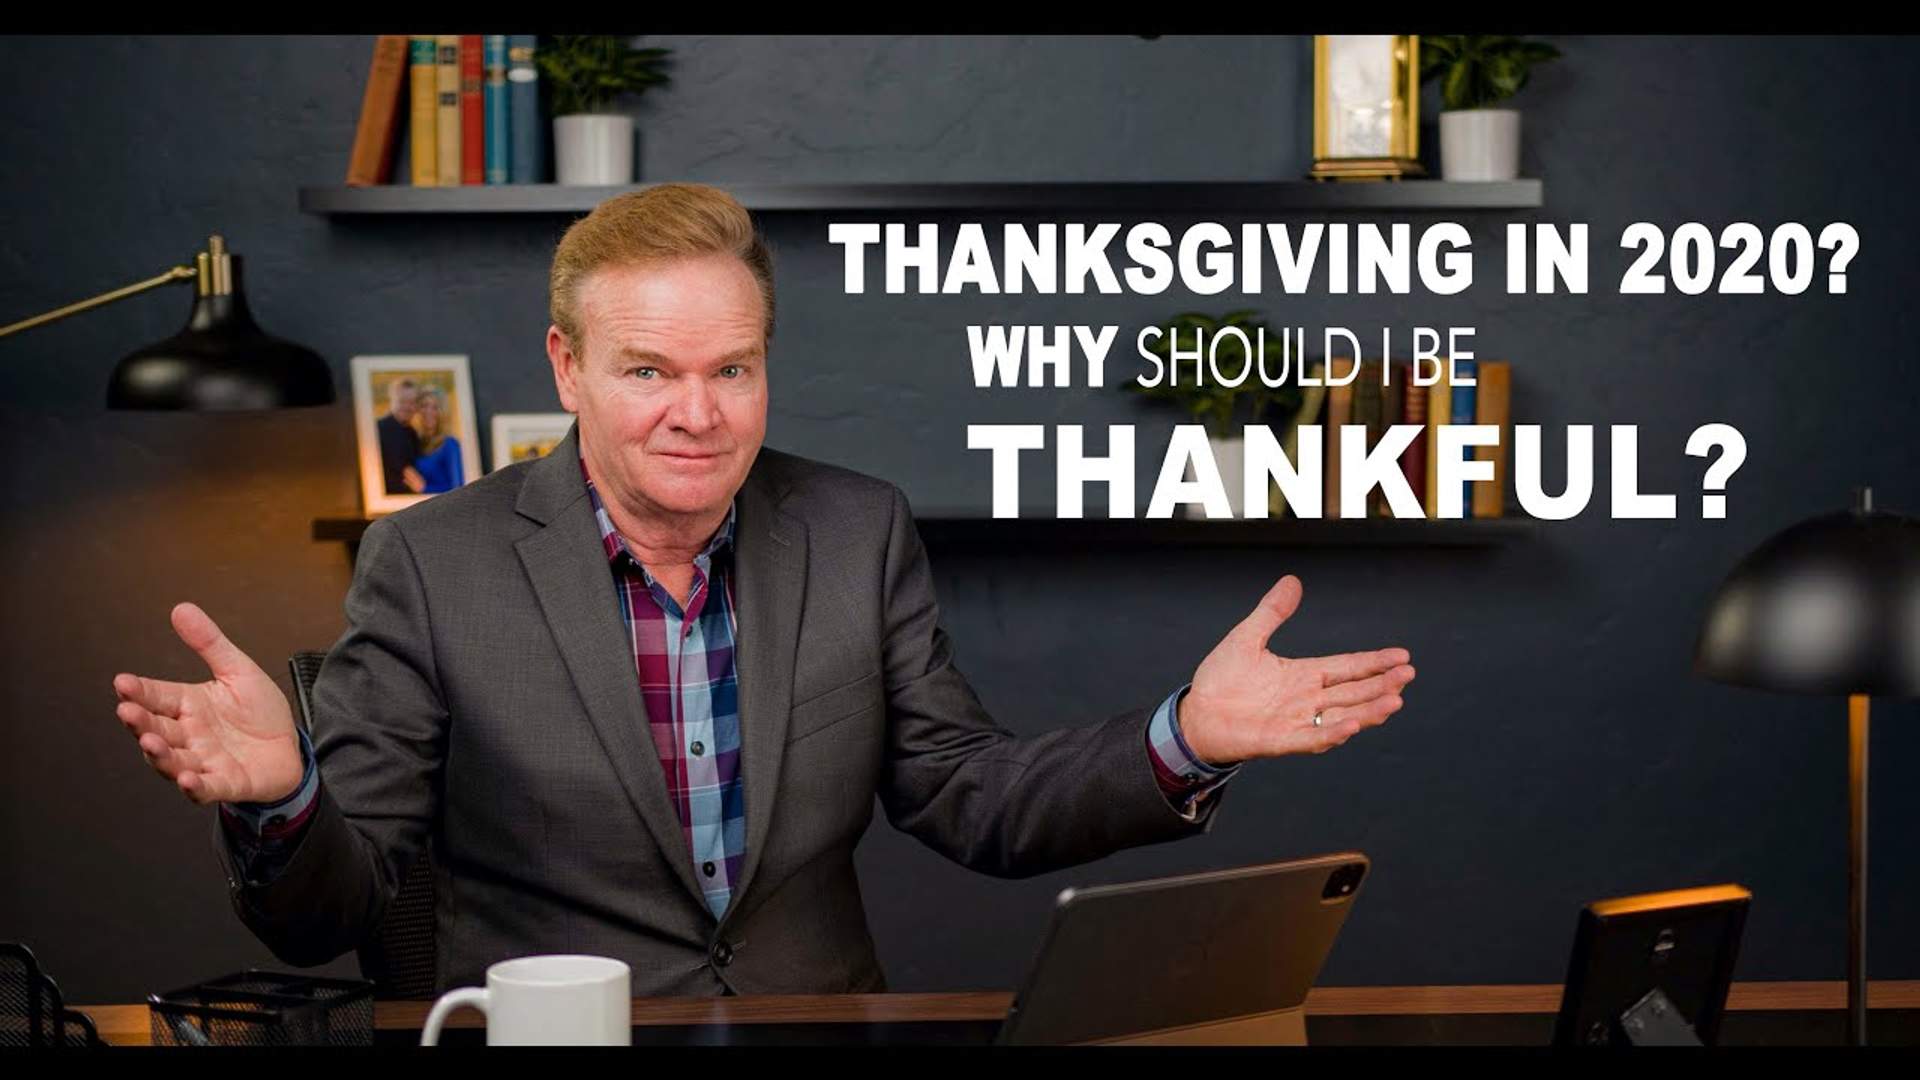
[403, 402]
[672, 391]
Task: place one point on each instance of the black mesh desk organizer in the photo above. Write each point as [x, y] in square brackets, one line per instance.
[264, 1008]
[31, 1013]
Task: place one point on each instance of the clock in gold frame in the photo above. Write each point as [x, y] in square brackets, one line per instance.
[1366, 107]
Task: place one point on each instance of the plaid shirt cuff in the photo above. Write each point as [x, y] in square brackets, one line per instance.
[261, 831]
[1188, 782]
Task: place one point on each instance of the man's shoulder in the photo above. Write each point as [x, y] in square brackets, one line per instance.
[826, 494]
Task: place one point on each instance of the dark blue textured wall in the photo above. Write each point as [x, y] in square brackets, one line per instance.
[1555, 748]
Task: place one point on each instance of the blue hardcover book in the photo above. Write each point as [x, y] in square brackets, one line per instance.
[496, 103]
[526, 134]
[1465, 402]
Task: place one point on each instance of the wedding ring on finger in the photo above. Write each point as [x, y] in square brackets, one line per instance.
[1316, 719]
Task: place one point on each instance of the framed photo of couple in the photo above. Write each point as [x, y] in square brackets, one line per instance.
[417, 433]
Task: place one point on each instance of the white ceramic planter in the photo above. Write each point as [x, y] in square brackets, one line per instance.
[1480, 144]
[1230, 457]
[593, 150]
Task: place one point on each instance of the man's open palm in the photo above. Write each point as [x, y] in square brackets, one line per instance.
[1247, 702]
[229, 739]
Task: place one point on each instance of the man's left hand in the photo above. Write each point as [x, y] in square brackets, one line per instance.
[1246, 702]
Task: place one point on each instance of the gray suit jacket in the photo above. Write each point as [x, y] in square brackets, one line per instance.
[484, 695]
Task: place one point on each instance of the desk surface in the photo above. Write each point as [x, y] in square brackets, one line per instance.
[1794, 1012]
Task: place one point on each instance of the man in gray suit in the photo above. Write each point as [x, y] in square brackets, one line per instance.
[640, 695]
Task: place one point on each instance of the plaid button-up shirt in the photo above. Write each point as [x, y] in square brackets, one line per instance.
[684, 660]
[684, 657]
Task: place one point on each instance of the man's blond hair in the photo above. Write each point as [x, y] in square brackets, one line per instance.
[667, 221]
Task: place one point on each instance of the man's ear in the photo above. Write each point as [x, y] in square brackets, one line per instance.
[566, 367]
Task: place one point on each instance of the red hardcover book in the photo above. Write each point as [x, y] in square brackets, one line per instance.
[1413, 460]
[473, 111]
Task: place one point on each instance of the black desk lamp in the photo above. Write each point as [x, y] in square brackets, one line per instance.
[221, 361]
[1828, 606]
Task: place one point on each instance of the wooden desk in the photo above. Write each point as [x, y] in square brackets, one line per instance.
[128, 1025]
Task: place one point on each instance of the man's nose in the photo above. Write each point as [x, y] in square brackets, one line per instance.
[696, 410]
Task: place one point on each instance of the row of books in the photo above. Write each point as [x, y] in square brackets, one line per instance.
[474, 115]
[1365, 402]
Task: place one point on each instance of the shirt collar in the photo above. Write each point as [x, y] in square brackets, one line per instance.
[616, 545]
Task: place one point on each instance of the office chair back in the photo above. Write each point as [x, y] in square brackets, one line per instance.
[400, 958]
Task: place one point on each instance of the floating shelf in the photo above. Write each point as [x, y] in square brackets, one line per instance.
[1086, 534]
[1176, 196]
[1026, 534]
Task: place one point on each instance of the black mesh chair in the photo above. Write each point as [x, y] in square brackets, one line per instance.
[31, 1013]
[400, 959]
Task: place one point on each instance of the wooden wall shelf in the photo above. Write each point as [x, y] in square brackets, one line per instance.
[1155, 196]
[1036, 533]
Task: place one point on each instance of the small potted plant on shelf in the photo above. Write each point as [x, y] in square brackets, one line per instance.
[1222, 409]
[592, 145]
[1476, 71]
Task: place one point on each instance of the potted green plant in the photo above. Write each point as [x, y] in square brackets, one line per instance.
[1475, 72]
[1221, 409]
[593, 145]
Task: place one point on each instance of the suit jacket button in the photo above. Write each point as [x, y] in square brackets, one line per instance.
[722, 954]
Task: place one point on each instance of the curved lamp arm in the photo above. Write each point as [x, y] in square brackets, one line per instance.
[221, 361]
[178, 273]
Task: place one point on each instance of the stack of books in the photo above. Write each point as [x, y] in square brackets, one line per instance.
[1366, 403]
[475, 113]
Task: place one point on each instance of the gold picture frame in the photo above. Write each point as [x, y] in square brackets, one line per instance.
[1366, 107]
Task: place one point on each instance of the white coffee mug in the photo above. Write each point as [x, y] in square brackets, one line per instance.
[547, 1001]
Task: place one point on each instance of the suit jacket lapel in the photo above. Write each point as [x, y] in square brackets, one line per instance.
[568, 568]
[770, 563]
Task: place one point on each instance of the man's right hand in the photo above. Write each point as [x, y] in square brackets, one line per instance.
[229, 739]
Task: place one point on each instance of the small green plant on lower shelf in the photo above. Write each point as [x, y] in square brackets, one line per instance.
[585, 72]
[1193, 388]
[1478, 70]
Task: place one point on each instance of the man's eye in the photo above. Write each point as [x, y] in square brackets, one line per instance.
[645, 372]
[732, 371]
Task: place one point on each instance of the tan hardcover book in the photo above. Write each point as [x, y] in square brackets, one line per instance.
[1311, 400]
[1492, 405]
[1339, 415]
[1439, 411]
[373, 140]
[447, 110]
[423, 79]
